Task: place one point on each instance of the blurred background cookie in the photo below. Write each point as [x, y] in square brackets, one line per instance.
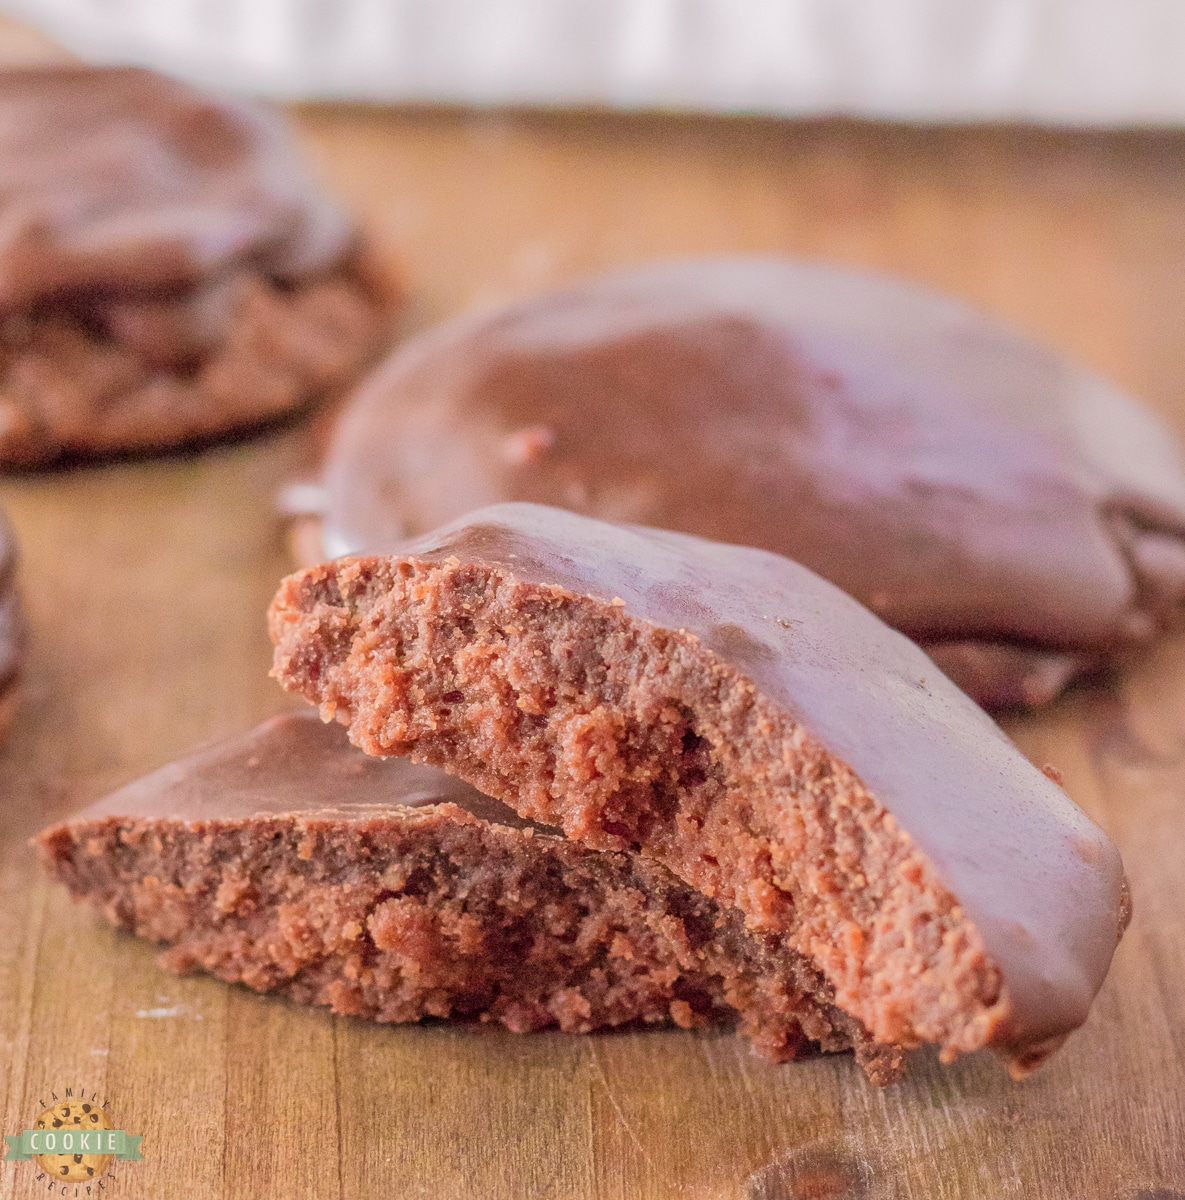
[12, 626]
[1017, 515]
[169, 271]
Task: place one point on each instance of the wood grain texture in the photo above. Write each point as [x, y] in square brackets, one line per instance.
[147, 583]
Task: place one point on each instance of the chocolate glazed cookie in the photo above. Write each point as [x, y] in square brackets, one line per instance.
[733, 716]
[168, 269]
[291, 862]
[1017, 515]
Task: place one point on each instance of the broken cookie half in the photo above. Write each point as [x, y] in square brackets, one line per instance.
[289, 861]
[730, 715]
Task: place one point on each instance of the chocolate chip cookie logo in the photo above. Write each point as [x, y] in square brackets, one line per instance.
[74, 1143]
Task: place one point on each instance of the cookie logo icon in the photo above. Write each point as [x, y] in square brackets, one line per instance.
[73, 1141]
[72, 1117]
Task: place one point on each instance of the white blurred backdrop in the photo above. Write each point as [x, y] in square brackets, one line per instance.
[1074, 62]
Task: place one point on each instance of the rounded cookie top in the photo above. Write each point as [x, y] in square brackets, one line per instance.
[125, 181]
[956, 477]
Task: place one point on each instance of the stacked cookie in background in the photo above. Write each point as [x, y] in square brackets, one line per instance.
[169, 271]
[170, 274]
[700, 783]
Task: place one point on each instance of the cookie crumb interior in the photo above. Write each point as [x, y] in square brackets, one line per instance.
[434, 912]
[635, 737]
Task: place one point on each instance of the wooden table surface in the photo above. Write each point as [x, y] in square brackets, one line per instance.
[147, 582]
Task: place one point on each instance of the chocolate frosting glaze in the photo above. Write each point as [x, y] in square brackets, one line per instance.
[977, 490]
[124, 181]
[1043, 884]
[292, 765]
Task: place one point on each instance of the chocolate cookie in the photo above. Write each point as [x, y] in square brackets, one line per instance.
[289, 861]
[1017, 515]
[168, 269]
[753, 729]
[12, 626]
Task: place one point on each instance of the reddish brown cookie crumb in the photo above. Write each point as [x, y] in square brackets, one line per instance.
[69, 390]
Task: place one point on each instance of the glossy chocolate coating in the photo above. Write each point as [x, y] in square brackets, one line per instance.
[1043, 885]
[293, 764]
[122, 181]
[961, 480]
